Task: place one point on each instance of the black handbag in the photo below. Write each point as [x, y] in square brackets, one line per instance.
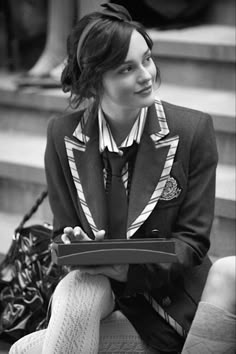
[28, 278]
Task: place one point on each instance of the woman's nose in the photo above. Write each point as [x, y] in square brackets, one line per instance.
[144, 75]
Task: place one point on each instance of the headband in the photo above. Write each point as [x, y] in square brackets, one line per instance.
[113, 11]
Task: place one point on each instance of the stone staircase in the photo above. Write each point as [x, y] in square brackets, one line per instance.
[198, 70]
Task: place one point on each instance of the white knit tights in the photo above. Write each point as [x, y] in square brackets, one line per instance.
[213, 331]
[80, 302]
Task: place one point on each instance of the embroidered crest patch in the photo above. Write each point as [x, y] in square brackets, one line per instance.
[171, 190]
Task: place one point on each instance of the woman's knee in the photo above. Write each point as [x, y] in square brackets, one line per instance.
[78, 285]
[80, 280]
[220, 285]
[222, 273]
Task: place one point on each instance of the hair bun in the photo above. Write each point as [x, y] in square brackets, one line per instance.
[116, 11]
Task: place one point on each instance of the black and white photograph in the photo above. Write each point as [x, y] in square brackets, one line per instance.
[117, 177]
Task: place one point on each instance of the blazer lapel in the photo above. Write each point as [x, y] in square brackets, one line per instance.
[86, 168]
[152, 168]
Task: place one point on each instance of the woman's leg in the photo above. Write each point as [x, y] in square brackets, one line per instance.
[61, 14]
[117, 335]
[214, 327]
[29, 344]
[220, 285]
[79, 302]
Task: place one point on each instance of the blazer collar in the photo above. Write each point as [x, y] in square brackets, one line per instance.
[86, 124]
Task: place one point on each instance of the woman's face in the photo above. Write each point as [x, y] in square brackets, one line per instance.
[132, 84]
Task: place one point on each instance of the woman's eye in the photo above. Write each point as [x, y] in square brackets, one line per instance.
[148, 59]
[126, 69]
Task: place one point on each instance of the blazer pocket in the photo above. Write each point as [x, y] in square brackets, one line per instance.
[175, 188]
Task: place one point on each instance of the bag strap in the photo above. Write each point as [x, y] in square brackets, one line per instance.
[33, 209]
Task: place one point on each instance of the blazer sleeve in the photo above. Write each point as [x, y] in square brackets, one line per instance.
[195, 218]
[191, 230]
[61, 203]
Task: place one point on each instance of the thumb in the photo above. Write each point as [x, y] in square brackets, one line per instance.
[99, 236]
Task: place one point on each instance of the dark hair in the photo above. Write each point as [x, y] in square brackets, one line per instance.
[104, 48]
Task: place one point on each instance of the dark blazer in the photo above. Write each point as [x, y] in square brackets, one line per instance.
[183, 211]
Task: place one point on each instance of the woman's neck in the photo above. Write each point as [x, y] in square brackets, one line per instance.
[120, 122]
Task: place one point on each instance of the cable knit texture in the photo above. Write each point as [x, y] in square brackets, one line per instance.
[80, 302]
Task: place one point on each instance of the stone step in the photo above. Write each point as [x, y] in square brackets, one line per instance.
[43, 99]
[21, 157]
[28, 110]
[225, 191]
[201, 56]
[22, 177]
[223, 229]
[219, 104]
[209, 42]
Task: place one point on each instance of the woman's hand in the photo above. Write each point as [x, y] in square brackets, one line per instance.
[78, 234]
[117, 271]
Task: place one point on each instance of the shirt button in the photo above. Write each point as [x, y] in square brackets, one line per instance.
[166, 301]
[155, 233]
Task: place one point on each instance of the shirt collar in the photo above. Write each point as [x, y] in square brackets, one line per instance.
[106, 139]
[157, 132]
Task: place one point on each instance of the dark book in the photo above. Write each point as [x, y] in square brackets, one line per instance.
[115, 251]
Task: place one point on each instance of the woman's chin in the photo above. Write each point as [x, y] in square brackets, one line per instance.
[149, 100]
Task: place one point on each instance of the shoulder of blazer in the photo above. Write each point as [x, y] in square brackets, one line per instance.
[189, 113]
[182, 118]
[65, 124]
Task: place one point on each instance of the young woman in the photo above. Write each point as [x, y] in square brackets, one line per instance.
[167, 158]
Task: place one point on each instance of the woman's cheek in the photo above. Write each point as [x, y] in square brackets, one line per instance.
[153, 71]
[125, 90]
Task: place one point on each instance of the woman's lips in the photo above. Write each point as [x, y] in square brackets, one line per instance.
[145, 91]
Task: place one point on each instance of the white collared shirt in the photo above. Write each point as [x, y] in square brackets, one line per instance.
[106, 139]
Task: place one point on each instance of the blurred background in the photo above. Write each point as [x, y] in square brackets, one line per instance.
[194, 47]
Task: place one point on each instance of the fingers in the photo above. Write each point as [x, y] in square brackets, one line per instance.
[118, 272]
[95, 270]
[65, 239]
[99, 236]
[80, 235]
[77, 234]
[73, 234]
[68, 235]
